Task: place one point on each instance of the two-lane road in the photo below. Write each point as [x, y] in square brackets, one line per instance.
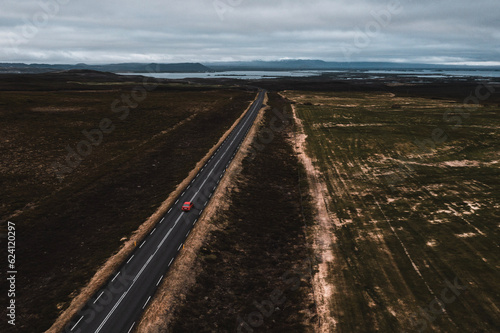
[120, 304]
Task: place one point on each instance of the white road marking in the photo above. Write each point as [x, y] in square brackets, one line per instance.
[170, 263]
[188, 187]
[98, 297]
[183, 193]
[163, 219]
[176, 221]
[151, 257]
[152, 232]
[124, 294]
[147, 301]
[176, 202]
[130, 258]
[205, 205]
[195, 221]
[220, 159]
[169, 210]
[142, 244]
[115, 277]
[78, 322]
[164, 238]
[210, 195]
[188, 233]
[131, 327]
[157, 283]
[180, 246]
[143, 267]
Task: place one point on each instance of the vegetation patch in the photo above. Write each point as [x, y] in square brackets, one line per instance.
[414, 209]
[67, 229]
[255, 267]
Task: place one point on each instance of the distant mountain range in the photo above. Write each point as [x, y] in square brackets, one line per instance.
[281, 65]
[114, 68]
[324, 65]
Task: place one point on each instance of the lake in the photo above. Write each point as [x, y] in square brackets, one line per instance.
[257, 75]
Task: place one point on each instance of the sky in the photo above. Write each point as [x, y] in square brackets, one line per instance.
[114, 31]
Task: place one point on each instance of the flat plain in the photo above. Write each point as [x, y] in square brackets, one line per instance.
[411, 190]
[396, 204]
[69, 227]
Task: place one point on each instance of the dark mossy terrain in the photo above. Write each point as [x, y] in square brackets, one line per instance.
[72, 213]
[410, 164]
[256, 266]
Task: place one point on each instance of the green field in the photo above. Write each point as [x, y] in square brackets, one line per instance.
[413, 202]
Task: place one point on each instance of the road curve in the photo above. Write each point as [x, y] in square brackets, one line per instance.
[118, 307]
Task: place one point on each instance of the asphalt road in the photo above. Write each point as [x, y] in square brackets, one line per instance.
[119, 305]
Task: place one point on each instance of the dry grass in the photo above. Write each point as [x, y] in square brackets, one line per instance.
[107, 198]
[323, 234]
[257, 247]
[175, 283]
[182, 274]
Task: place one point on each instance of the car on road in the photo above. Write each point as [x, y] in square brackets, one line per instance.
[187, 206]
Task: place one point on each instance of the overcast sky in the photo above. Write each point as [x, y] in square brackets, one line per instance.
[108, 31]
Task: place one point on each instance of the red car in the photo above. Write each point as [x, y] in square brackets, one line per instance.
[187, 206]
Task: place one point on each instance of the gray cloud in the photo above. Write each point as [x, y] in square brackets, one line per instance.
[94, 31]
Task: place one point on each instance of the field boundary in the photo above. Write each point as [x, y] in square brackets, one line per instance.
[323, 236]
